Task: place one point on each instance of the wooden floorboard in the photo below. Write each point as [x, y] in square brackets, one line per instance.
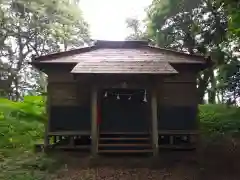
[124, 133]
[123, 138]
[176, 147]
[73, 147]
[124, 145]
[178, 132]
[69, 133]
[126, 151]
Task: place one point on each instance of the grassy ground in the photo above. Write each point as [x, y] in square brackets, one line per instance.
[21, 126]
[17, 158]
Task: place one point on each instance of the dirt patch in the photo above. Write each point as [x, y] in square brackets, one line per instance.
[216, 161]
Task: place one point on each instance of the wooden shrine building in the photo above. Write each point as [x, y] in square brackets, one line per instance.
[121, 96]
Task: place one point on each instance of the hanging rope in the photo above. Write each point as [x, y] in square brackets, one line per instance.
[122, 94]
[127, 94]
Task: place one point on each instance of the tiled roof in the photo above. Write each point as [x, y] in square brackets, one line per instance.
[121, 57]
[124, 54]
[121, 67]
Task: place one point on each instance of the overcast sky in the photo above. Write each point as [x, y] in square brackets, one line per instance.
[107, 17]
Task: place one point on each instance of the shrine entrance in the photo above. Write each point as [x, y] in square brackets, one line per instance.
[124, 110]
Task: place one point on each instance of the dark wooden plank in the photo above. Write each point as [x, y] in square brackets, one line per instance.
[126, 151]
[70, 118]
[73, 147]
[184, 147]
[123, 138]
[177, 117]
[69, 133]
[178, 132]
[124, 133]
[124, 145]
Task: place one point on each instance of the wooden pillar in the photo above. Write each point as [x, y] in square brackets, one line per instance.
[154, 122]
[94, 132]
[46, 137]
[46, 125]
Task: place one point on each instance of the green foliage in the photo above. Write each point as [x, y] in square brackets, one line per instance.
[34, 28]
[21, 127]
[19, 134]
[201, 27]
[232, 7]
[31, 108]
[21, 123]
[219, 119]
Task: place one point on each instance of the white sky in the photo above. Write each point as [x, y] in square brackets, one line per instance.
[107, 17]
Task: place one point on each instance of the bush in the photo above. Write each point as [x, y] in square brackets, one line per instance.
[219, 119]
[21, 124]
[31, 108]
[21, 127]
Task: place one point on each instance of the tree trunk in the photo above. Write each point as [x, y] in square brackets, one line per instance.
[212, 91]
[219, 97]
[19, 63]
[202, 86]
[234, 98]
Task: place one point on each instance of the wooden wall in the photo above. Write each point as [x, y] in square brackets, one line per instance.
[178, 94]
[177, 102]
[69, 103]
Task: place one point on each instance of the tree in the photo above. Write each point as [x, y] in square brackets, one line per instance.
[194, 27]
[137, 32]
[232, 8]
[36, 27]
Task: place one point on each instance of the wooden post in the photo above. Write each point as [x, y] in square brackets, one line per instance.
[47, 101]
[54, 139]
[46, 137]
[154, 122]
[71, 141]
[94, 134]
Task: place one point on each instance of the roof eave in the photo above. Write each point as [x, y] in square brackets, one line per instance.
[64, 53]
[136, 73]
[198, 56]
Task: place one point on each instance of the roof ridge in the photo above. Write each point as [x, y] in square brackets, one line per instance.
[121, 44]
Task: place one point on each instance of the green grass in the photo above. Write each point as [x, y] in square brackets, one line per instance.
[21, 126]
